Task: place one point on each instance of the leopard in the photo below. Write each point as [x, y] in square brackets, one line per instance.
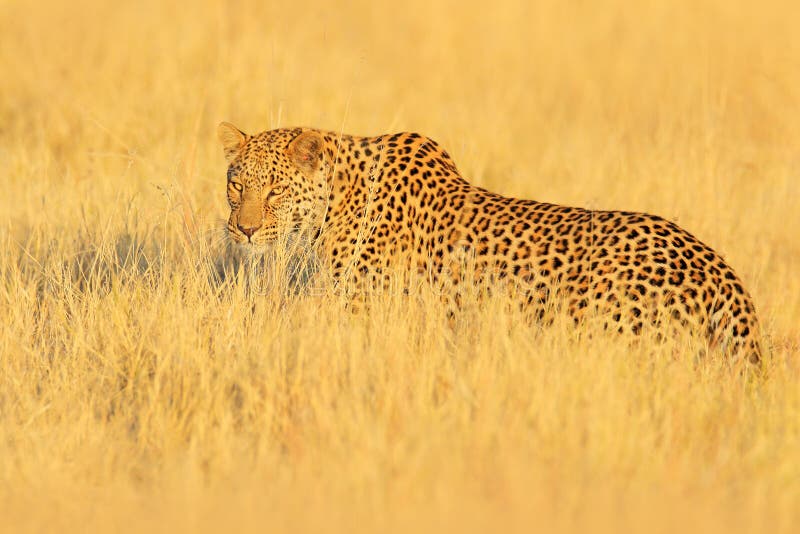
[397, 203]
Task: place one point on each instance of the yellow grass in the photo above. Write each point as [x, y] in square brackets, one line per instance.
[143, 387]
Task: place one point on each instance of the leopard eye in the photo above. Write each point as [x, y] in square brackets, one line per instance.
[277, 190]
[237, 186]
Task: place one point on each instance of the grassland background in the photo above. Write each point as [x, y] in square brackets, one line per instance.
[137, 392]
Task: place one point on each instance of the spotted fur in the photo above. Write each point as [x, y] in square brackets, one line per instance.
[397, 202]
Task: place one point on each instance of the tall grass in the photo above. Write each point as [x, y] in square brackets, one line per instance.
[153, 377]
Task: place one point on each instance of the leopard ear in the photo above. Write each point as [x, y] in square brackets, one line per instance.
[305, 151]
[232, 138]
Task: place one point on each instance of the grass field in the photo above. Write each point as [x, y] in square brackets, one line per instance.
[143, 386]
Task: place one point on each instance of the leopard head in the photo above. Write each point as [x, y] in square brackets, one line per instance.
[276, 182]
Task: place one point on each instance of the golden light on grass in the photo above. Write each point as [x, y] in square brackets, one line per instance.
[153, 378]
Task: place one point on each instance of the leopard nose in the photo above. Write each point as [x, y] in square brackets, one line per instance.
[248, 230]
